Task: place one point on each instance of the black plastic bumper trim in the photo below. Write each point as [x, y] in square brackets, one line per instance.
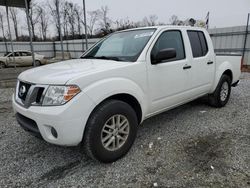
[28, 125]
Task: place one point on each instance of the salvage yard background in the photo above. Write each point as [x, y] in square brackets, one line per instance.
[225, 40]
[192, 146]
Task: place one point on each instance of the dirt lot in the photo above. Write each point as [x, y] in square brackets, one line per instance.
[192, 146]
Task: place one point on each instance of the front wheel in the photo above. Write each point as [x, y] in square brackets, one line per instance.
[222, 92]
[2, 65]
[110, 131]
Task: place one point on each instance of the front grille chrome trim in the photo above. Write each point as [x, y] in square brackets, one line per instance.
[31, 95]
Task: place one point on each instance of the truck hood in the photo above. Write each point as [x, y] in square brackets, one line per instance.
[60, 73]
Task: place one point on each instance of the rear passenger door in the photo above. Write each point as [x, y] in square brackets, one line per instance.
[27, 58]
[203, 65]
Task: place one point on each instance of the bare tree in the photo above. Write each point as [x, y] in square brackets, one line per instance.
[14, 18]
[174, 20]
[33, 18]
[105, 21]
[93, 18]
[149, 21]
[2, 28]
[153, 19]
[65, 19]
[2, 23]
[54, 13]
[69, 16]
[72, 21]
[78, 14]
[123, 24]
[43, 21]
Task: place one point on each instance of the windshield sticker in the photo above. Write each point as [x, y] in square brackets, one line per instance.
[148, 34]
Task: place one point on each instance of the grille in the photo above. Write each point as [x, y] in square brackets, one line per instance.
[23, 90]
[39, 95]
[28, 94]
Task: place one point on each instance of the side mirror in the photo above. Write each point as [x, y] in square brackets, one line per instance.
[164, 54]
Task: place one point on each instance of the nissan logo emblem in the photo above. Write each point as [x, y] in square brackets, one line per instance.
[22, 90]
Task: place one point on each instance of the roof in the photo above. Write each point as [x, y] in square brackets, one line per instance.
[14, 3]
[165, 27]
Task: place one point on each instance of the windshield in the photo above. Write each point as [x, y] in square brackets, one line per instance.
[121, 46]
[6, 54]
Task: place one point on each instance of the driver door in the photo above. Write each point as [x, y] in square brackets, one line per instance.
[169, 80]
[15, 60]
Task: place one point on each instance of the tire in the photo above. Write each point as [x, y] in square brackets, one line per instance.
[2, 65]
[99, 123]
[222, 92]
[37, 63]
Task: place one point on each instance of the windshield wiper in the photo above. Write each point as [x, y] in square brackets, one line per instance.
[103, 57]
[108, 58]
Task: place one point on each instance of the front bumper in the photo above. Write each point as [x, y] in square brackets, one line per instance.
[68, 120]
[28, 125]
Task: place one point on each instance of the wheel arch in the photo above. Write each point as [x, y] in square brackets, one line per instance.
[223, 69]
[40, 62]
[130, 100]
[229, 73]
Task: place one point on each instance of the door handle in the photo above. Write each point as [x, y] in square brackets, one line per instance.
[187, 67]
[210, 62]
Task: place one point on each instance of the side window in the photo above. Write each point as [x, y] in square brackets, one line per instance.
[16, 54]
[170, 39]
[203, 43]
[24, 53]
[198, 43]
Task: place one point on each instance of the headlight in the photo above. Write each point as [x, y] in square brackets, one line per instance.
[59, 95]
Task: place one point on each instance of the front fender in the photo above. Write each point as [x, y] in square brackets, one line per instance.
[219, 71]
[103, 89]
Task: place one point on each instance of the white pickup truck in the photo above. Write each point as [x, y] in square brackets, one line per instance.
[99, 100]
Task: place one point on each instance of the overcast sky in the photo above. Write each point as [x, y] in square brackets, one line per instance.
[223, 13]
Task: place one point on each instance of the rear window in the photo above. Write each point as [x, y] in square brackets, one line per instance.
[198, 43]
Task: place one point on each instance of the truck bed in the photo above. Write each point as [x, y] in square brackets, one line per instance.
[235, 62]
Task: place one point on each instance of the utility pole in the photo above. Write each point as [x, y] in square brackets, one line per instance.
[11, 42]
[245, 41]
[27, 7]
[59, 26]
[4, 39]
[85, 24]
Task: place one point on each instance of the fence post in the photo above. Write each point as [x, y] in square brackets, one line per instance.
[245, 40]
[54, 48]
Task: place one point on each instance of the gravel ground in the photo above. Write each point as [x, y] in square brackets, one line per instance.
[191, 146]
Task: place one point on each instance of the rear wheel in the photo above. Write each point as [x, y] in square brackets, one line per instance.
[2, 65]
[37, 63]
[110, 131]
[222, 92]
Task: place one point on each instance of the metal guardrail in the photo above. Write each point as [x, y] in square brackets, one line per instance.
[229, 33]
[49, 49]
[232, 50]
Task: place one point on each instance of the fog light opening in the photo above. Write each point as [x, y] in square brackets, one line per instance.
[53, 132]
